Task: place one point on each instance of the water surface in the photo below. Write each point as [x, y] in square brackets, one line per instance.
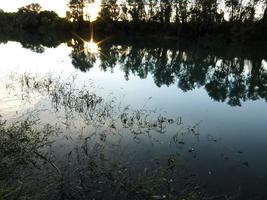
[216, 100]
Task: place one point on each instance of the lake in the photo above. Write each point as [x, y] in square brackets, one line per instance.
[135, 118]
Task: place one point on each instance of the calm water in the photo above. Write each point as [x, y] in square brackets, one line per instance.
[217, 102]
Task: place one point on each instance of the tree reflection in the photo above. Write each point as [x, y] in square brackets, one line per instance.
[223, 76]
[220, 70]
[81, 58]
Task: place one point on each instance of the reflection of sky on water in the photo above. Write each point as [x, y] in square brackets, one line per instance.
[239, 128]
[194, 105]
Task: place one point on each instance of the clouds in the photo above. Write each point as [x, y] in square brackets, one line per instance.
[59, 6]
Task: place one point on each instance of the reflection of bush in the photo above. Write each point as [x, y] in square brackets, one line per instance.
[94, 161]
[20, 141]
[21, 144]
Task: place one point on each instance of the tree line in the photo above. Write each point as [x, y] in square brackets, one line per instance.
[229, 20]
[32, 18]
[184, 11]
[175, 11]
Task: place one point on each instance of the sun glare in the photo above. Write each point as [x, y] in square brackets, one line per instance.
[92, 10]
[91, 47]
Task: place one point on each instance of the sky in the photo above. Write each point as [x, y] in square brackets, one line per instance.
[59, 6]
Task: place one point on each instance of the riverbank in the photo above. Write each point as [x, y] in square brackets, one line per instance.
[226, 32]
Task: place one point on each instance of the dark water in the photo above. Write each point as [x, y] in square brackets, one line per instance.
[164, 120]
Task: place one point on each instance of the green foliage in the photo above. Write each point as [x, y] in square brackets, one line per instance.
[161, 18]
[34, 7]
[110, 11]
[76, 10]
[31, 18]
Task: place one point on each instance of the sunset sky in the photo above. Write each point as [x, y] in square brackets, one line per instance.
[58, 6]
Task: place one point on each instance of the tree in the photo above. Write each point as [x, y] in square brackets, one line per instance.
[110, 11]
[181, 11]
[166, 10]
[137, 10]
[248, 13]
[264, 17]
[235, 8]
[47, 17]
[34, 7]
[28, 16]
[76, 10]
